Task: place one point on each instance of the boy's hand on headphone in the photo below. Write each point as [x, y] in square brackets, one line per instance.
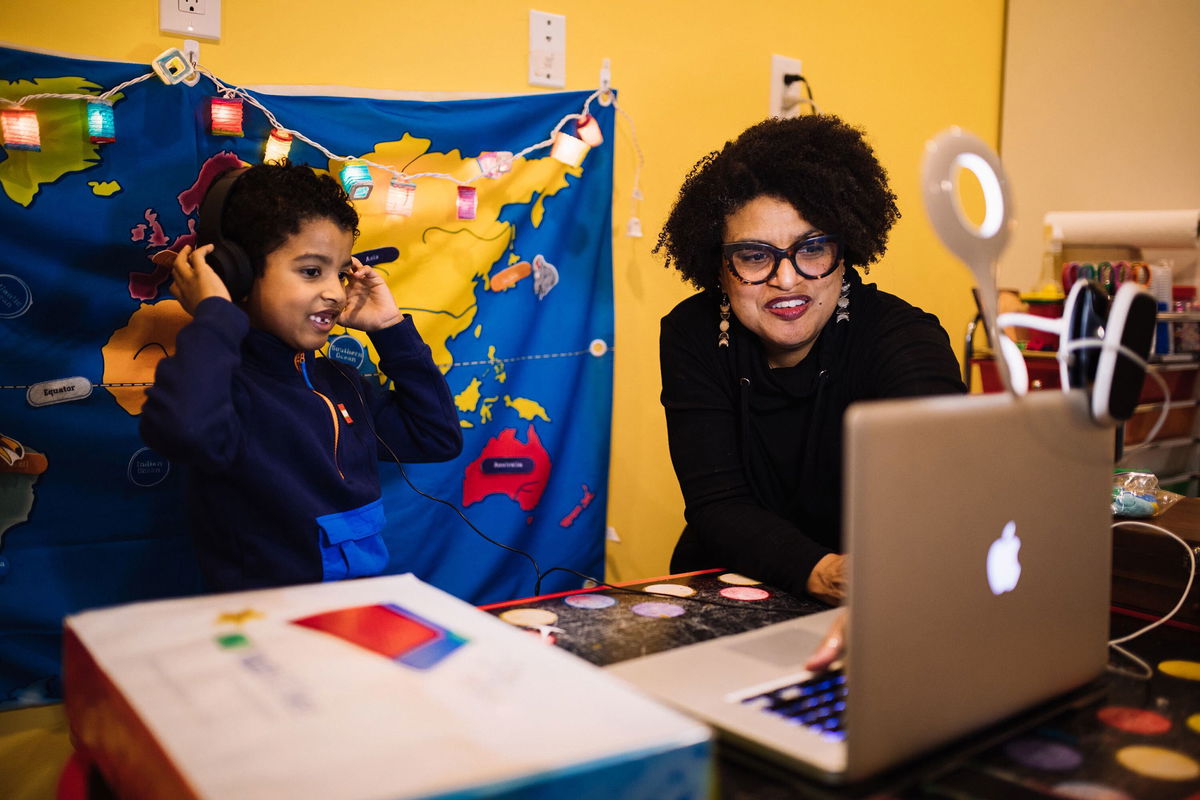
[194, 280]
[369, 302]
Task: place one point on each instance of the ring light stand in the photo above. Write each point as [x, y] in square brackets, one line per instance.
[980, 246]
[1103, 347]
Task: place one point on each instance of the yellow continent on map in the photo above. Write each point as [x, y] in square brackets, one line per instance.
[468, 398]
[526, 408]
[468, 401]
[443, 260]
[132, 353]
[104, 188]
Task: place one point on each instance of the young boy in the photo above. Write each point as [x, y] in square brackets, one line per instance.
[281, 446]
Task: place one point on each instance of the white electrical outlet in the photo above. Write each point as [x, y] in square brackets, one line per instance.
[197, 18]
[782, 66]
[547, 49]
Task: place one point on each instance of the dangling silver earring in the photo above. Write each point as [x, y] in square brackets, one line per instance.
[843, 302]
[723, 326]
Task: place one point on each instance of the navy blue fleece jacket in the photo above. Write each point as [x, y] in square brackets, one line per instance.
[282, 480]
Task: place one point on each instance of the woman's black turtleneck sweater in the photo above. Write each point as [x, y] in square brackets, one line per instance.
[758, 451]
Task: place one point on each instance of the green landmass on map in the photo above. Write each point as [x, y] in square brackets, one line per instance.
[65, 145]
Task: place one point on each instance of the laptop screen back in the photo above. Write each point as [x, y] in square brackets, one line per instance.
[978, 533]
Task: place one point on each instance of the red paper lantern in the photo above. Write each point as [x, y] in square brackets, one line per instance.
[226, 116]
[20, 126]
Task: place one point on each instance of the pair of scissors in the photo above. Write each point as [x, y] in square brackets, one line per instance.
[1113, 276]
[1074, 270]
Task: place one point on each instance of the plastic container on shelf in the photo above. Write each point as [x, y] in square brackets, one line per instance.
[1042, 340]
[1185, 333]
[1161, 285]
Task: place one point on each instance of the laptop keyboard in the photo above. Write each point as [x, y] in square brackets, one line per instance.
[816, 703]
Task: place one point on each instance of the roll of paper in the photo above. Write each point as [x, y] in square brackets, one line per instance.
[1174, 229]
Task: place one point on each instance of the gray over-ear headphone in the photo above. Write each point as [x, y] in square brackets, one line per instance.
[227, 259]
[1103, 346]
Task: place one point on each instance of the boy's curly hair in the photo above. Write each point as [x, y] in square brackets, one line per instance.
[271, 201]
[819, 164]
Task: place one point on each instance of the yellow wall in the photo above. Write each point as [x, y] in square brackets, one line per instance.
[691, 74]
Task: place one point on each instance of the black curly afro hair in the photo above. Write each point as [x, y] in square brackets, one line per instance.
[819, 164]
[271, 201]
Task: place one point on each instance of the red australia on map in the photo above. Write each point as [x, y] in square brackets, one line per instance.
[510, 467]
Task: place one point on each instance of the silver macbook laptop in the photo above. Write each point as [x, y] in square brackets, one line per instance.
[979, 542]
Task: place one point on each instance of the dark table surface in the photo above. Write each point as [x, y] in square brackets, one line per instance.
[1125, 737]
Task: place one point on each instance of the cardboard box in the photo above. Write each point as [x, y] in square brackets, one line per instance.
[380, 688]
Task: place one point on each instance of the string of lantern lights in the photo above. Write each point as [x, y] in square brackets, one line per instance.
[569, 141]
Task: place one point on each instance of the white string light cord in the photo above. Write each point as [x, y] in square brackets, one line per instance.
[607, 96]
[1115, 644]
[236, 91]
[635, 222]
[106, 95]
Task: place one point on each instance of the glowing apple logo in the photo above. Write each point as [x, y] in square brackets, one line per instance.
[1003, 568]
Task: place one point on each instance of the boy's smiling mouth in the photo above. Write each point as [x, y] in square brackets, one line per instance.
[323, 320]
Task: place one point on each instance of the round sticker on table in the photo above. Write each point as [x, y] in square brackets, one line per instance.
[1134, 720]
[1043, 754]
[347, 349]
[673, 589]
[529, 617]
[1158, 762]
[147, 468]
[590, 601]
[657, 610]
[745, 593]
[1188, 670]
[15, 297]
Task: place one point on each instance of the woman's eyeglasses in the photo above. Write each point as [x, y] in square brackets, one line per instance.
[756, 262]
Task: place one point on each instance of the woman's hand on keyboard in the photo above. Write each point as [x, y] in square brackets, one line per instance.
[832, 647]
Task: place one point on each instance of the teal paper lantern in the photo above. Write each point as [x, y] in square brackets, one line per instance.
[101, 128]
[356, 180]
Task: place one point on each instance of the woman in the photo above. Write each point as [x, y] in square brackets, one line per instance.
[759, 367]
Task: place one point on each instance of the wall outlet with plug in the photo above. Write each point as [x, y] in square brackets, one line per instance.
[195, 18]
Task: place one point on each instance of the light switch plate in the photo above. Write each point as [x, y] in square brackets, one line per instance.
[200, 19]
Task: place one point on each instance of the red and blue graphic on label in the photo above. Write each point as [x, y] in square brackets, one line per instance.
[389, 630]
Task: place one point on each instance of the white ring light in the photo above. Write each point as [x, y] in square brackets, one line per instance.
[945, 154]
[993, 197]
[979, 247]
